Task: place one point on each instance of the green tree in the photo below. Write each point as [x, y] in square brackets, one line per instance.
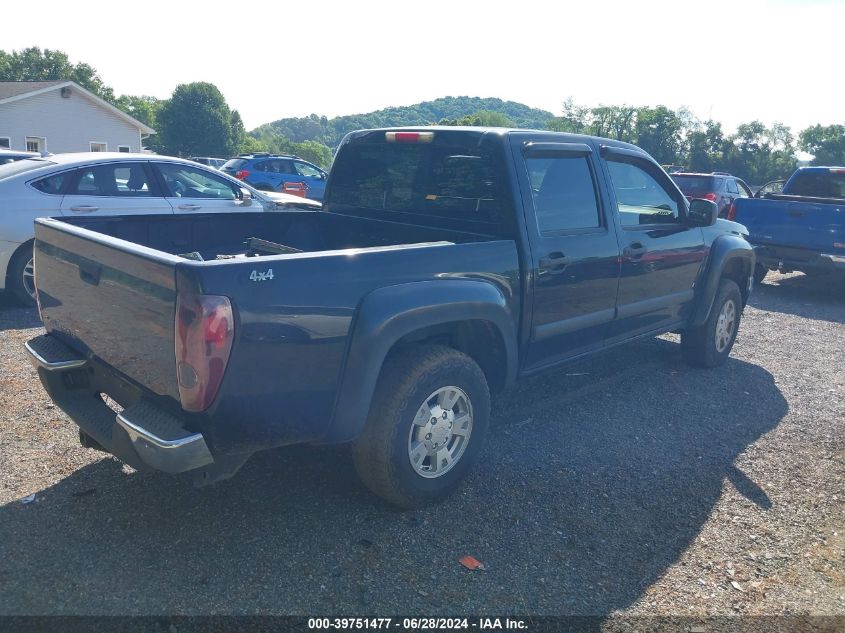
[575, 119]
[34, 64]
[658, 131]
[825, 143]
[482, 118]
[197, 121]
[706, 146]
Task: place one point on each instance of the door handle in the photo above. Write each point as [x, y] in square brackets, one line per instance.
[634, 250]
[189, 207]
[84, 208]
[554, 263]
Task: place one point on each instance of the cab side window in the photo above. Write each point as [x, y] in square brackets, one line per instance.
[564, 193]
[640, 198]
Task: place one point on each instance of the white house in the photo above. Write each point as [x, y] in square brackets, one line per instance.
[61, 116]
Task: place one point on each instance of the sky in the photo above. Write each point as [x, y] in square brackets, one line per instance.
[775, 60]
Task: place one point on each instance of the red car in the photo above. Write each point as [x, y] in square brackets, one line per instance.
[717, 187]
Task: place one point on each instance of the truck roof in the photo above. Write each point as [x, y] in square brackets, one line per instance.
[500, 131]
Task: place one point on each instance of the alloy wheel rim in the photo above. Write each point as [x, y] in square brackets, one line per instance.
[440, 432]
[725, 324]
[29, 278]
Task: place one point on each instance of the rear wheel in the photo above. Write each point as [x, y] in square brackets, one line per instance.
[710, 344]
[760, 273]
[22, 276]
[426, 426]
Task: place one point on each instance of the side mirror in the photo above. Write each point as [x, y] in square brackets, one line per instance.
[246, 197]
[702, 212]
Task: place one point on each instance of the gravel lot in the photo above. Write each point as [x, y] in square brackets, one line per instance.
[628, 484]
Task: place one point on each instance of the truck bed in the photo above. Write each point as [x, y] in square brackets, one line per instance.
[807, 223]
[118, 278]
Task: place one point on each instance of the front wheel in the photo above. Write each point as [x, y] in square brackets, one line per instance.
[22, 276]
[426, 426]
[710, 344]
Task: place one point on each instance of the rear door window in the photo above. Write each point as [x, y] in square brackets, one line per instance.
[124, 180]
[564, 193]
[53, 185]
[732, 186]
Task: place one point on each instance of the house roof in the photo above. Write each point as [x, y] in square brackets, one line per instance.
[15, 90]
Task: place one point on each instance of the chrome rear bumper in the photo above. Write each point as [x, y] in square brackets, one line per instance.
[142, 434]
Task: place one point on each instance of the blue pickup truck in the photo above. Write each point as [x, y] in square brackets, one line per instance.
[802, 227]
[446, 263]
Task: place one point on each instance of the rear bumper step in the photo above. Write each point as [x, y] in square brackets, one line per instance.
[143, 435]
[51, 354]
[160, 440]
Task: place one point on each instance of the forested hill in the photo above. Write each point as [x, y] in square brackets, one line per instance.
[331, 131]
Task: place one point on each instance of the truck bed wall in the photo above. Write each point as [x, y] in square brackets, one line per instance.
[213, 234]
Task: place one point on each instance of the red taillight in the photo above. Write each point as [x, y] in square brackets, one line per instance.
[710, 196]
[731, 211]
[241, 174]
[409, 137]
[205, 329]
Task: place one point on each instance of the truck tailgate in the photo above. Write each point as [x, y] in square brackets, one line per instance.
[109, 298]
[813, 226]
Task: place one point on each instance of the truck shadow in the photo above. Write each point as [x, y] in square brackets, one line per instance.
[819, 297]
[594, 480]
[13, 316]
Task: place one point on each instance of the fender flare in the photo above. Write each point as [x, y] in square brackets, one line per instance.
[724, 249]
[388, 314]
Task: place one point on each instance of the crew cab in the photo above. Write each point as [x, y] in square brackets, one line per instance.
[802, 228]
[446, 264]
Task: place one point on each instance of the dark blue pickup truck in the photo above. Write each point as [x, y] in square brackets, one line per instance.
[802, 227]
[447, 263]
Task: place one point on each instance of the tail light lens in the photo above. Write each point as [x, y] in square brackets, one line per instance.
[241, 174]
[205, 329]
[731, 211]
[710, 196]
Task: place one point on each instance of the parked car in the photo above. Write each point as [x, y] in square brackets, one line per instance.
[802, 228]
[209, 161]
[446, 264]
[717, 187]
[10, 156]
[109, 184]
[270, 172]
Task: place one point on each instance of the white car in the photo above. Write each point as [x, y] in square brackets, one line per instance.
[111, 184]
[10, 156]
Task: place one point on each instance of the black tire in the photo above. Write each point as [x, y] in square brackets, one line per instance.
[381, 452]
[15, 278]
[760, 273]
[698, 345]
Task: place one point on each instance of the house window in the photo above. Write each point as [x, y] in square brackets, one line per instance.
[35, 143]
[98, 147]
[123, 149]
[5, 142]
